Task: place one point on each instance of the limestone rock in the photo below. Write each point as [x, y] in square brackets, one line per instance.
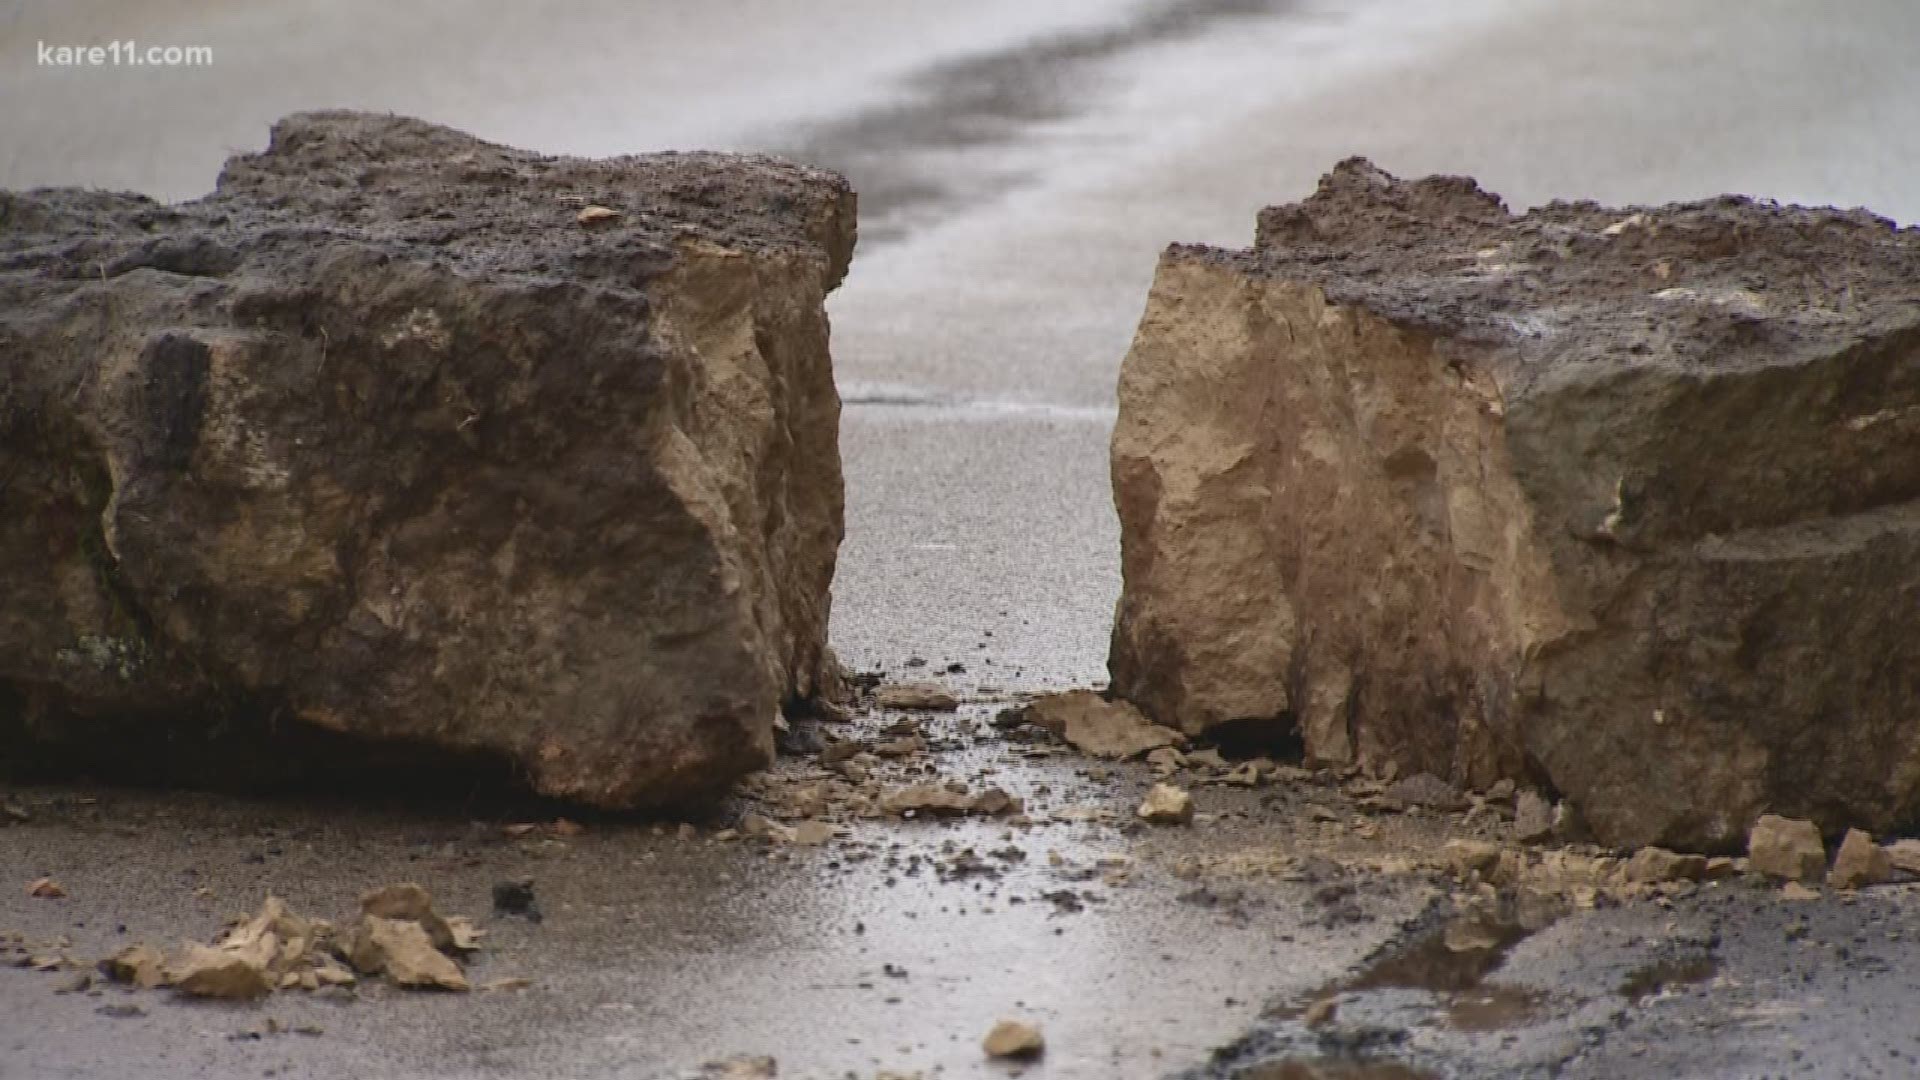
[402, 950]
[1786, 848]
[136, 965]
[1104, 729]
[1468, 856]
[206, 971]
[1859, 863]
[1485, 495]
[1533, 818]
[374, 446]
[1014, 1039]
[923, 697]
[1655, 864]
[1904, 855]
[412, 903]
[1166, 804]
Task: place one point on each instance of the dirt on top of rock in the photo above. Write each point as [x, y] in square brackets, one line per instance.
[1716, 282]
[335, 175]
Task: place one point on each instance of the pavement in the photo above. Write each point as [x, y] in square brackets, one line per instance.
[1021, 167]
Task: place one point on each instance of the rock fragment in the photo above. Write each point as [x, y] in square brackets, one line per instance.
[1098, 727]
[921, 697]
[1905, 856]
[1532, 817]
[46, 889]
[1859, 863]
[1166, 804]
[1786, 848]
[1014, 1039]
[136, 965]
[403, 951]
[1465, 857]
[1651, 865]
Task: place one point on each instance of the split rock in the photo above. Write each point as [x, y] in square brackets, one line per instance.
[1478, 494]
[373, 446]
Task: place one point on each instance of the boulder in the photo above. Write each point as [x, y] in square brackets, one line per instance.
[1625, 501]
[385, 444]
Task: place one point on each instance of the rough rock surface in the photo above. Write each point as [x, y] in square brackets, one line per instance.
[1787, 848]
[388, 438]
[1623, 500]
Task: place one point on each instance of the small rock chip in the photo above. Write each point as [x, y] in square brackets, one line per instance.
[566, 828]
[1793, 890]
[741, 1067]
[1532, 817]
[1207, 759]
[1166, 804]
[135, 965]
[1904, 855]
[1787, 848]
[1720, 868]
[46, 889]
[762, 827]
[1467, 856]
[1014, 1039]
[510, 983]
[1656, 864]
[1320, 1012]
[1859, 862]
[923, 697]
[597, 215]
[410, 903]
[812, 833]
[1165, 761]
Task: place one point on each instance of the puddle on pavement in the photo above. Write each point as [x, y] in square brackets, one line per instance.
[1493, 1008]
[1333, 1069]
[1456, 959]
[1649, 979]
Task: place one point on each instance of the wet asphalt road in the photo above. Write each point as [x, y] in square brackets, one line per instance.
[1021, 165]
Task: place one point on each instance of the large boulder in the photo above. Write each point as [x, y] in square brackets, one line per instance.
[1628, 501]
[417, 440]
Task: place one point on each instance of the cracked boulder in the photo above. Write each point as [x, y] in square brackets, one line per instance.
[387, 442]
[1625, 501]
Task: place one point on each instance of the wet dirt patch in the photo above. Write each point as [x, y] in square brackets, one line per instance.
[1493, 1008]
[1456, 958]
